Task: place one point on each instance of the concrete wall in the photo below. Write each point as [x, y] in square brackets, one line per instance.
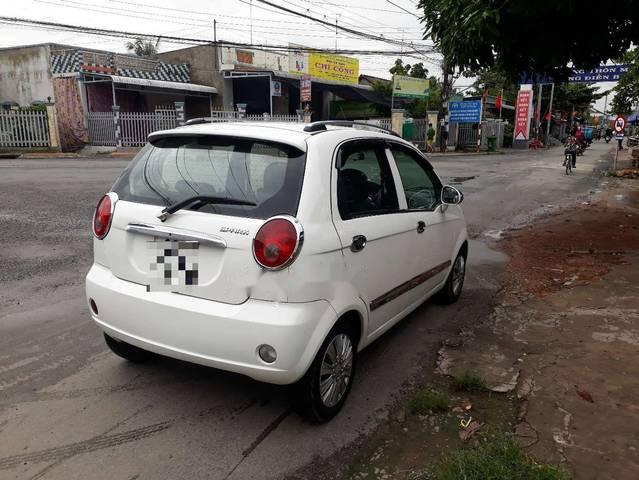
[25, 75]
[204, 67]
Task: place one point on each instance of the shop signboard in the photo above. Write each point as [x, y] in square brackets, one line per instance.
[324, 66]
[410, 87]
[305, 89]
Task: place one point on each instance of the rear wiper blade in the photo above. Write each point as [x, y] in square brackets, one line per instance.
[171, 209]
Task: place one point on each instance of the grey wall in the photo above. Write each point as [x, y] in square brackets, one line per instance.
[204, 67]
[25, 75]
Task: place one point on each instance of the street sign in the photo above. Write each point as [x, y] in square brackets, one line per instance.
[620, 123]
[619, 136]
[522, 114]
[305, 89]
[464, 112]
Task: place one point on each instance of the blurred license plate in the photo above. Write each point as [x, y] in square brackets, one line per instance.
[173, 265]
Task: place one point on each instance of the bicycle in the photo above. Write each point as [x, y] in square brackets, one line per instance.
[568, 162]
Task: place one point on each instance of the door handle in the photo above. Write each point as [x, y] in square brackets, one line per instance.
[359, 242]
[421, 226]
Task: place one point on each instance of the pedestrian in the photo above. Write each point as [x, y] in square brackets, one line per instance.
[443, 138]
[430, 136]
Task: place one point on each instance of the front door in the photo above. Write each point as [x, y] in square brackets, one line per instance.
[376, 235]
[432, 248]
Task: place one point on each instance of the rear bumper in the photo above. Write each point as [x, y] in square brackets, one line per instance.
[211, 333]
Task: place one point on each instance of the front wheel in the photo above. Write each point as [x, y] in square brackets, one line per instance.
[452, 289]
[322, 392]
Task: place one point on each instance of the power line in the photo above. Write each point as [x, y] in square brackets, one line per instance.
[340, 27]
[402, 8]
[46, 25]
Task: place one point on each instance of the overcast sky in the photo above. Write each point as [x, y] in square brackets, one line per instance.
[194, 18]
[395, 19]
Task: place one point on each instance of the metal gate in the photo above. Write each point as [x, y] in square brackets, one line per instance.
[467, 135]
[101, 129]
[24, 129]
[134, 129]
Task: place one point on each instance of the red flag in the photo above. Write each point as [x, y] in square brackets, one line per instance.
[498, 102]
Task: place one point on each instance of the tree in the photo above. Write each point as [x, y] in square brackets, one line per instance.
[524, 35]
[399, 68]
[575, 97]
[627, 89]
[143, 48]
[418, 71]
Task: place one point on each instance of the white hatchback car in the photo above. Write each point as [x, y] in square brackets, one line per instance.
[278, 251]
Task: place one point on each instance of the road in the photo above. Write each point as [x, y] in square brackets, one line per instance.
[71, 409]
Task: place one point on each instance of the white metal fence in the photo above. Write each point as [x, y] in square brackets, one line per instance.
[136, 126]
[24, 129]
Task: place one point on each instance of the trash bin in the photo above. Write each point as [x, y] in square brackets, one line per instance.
[407, 129]
[492, 144]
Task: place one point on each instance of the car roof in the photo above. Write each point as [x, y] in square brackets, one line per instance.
[289, 133]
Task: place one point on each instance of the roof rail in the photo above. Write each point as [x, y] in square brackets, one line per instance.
[321, 126]
[198, 121]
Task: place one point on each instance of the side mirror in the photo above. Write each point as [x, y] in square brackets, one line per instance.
[451, 196]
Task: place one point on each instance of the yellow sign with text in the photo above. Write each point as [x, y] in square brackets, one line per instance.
[336, 68]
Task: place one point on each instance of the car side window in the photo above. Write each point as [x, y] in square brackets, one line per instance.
[365, 183]
[422, 188]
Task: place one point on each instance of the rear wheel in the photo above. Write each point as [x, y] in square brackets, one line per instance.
[127, 351]
[452, 289]
[322, 392]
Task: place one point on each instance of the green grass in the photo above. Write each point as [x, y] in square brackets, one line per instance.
[498, 459]
[469, 382]
[429, 401]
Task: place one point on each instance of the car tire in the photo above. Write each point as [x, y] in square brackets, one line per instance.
[451, 291]
[127, 351]
[313, 397]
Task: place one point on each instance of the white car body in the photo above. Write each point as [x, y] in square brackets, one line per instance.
[242, 306]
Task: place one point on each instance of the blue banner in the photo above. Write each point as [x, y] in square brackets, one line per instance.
[464, 112]
[604, 73]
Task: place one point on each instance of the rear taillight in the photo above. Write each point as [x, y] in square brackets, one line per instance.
[278, 242]
[103, 215]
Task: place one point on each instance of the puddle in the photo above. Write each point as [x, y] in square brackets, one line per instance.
[495, 234]
[462, 179]
[480, 254]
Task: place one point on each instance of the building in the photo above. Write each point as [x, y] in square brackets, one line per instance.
[81, 81]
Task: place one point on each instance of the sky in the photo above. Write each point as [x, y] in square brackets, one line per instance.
[235, 19]
[246, 21]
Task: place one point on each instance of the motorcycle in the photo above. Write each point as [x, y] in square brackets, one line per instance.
[632, 141]
[607, 138]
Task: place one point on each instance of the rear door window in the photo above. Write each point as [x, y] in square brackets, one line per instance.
[365, 183]
[174, 169]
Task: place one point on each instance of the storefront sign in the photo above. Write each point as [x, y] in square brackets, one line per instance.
[410, 87]
[522, 114]
[464, 112]
[276, 89]
[324, 66]
[127, 62]
[305, 89]
[603, 73]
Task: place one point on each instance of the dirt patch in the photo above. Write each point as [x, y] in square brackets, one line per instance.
[573, 247]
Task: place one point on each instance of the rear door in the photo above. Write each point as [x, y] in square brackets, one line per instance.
[375, 234]
[204, 250]
[432, 248]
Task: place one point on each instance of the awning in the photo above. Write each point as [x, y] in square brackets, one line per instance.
[162, 84]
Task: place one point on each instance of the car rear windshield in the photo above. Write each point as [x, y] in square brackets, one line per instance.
[176, 168]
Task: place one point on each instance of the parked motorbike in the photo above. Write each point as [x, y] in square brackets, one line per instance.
[607, 138]
[632, 141]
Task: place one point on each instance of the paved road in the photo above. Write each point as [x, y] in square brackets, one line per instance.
[71, 409]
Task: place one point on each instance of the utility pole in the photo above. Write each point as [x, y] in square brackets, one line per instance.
[539, 91]
[251, 17]
[552, 94]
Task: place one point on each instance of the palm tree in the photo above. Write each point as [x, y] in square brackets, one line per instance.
[143, 48]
